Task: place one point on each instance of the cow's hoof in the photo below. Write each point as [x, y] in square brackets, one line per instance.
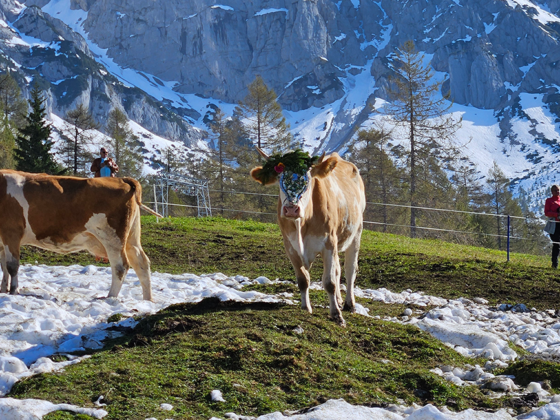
[351, 309]
[307, 308]
[339, 320]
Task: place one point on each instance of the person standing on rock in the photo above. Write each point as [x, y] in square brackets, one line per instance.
[551, 210]
[104, 166]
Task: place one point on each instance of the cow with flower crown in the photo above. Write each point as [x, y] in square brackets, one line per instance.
[320, 211]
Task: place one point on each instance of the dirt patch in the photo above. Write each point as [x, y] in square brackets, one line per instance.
[214, 304]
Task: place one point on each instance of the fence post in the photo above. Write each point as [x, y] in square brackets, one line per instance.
[155, 202]
[508, 228]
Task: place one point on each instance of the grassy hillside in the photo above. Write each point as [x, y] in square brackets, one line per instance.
[190, 245]
[252, 353]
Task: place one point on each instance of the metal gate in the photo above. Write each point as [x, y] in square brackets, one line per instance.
[184, 184]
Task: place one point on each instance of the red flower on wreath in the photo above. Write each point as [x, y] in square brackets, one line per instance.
[279, 168]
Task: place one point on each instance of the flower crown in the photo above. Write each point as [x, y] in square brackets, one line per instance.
[297, 162]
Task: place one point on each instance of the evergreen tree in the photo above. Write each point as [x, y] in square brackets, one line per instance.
[382, 178]
[13, 109]
[220, 154]
[415, 107]
[33, 145]
[126, 150]
[470, 197]
[263, 118]
[7, 143]
[501, 201]
[170, 162]
[13, 106]
[76, 137]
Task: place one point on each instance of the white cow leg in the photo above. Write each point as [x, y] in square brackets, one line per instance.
[303, 280]
[5, 274]
[302, 275]
[138, 258]
[141, 265]
[350, 270]
[119, 268]
[330, 262]
[338, 280]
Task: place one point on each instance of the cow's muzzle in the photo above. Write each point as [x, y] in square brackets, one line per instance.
[292, 211]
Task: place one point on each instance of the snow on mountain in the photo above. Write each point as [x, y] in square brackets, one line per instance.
[170, 63]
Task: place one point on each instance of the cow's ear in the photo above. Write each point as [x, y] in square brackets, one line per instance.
[259, 176]
[324, 168]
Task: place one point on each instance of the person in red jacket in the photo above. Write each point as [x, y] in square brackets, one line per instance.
[551, 209]
[104, 165]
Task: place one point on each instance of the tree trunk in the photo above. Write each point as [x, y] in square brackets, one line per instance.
[383, 189]
[412, 175]
[76, 153]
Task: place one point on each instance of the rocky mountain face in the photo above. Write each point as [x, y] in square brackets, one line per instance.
[63, 65]
[216, 50]
[312, 52]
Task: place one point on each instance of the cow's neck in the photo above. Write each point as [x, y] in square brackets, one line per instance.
[299, 230]
[297, 239]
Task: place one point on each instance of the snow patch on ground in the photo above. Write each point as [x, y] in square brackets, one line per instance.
[63, 310]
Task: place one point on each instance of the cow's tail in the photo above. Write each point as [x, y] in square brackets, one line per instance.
[137, 188]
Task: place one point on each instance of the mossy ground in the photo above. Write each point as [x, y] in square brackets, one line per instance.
[252, 354]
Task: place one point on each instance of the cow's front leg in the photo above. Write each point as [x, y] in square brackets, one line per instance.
[331, 282]
[302, 277]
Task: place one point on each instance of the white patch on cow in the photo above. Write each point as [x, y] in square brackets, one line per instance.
[79, 243]
[14, 187]
[296, 240]
[314, 245]
[98, 225]
[306, 196]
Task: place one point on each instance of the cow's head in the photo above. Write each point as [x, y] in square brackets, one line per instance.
[294, 172]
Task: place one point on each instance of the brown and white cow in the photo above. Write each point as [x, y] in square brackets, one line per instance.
[68, 214]
[323, 217]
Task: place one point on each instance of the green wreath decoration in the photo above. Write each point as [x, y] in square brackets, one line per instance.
[297, 162]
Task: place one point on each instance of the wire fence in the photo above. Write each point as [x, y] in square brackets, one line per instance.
[537, 237]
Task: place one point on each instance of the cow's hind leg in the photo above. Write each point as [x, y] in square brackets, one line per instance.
[337, 277]
[350, 270]
[119, 269]
[11, 256]
[139, 260]
[141, 265]
[331, 282]
[5, 275]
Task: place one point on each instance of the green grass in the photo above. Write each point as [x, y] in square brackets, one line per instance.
[250, 351]
[191, 245]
